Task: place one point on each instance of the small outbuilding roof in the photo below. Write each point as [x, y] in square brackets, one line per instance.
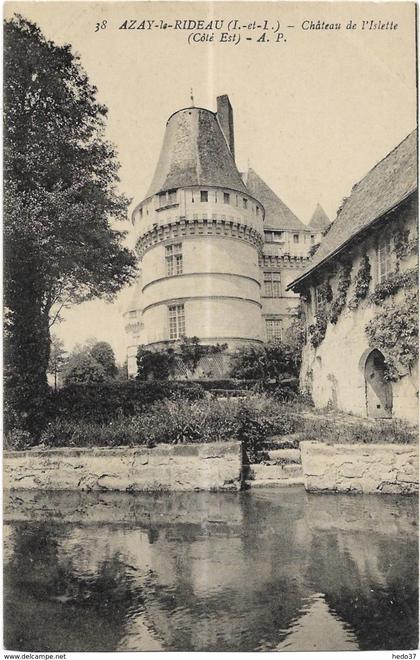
[387, 184]
[319, 220]
[277, 214]
[195, 153]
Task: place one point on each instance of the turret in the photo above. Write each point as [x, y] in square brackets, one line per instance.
[199, 236]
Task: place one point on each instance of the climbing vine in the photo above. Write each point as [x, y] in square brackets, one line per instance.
[392, 284]
[403, 245]
[318, 329]
[344, 280]
[394, 330]
[361, 283]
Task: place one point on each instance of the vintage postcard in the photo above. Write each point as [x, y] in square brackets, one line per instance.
[210, 327]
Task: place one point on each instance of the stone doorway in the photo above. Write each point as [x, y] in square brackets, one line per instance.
[378, 390]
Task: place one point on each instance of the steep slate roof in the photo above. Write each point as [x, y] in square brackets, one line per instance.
[319, 219]
[277, 214]
[195, 153]
[386, 185]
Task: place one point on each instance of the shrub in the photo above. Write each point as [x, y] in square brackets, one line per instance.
[16, 439]
[105, 402]
[176, 420]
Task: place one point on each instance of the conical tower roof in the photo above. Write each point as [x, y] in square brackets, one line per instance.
[277, 213]
[319, 219]
[195, 153]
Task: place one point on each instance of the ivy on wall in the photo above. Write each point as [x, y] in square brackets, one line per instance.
[361, 283]
[318, 329]
[394, 330]
[392, 284]
[403, 244]
[344, 280]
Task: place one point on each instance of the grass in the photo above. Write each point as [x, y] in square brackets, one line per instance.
[262, 422]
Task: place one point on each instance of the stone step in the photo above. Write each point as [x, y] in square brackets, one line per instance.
[273, 483]
[260, 471]
[284, 455]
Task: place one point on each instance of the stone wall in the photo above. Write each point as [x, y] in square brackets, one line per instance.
[360, 468]
[334, 372]
[209, 467]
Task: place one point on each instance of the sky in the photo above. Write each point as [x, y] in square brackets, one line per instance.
[313, 112]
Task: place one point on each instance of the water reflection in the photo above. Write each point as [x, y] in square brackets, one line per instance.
[269, 570]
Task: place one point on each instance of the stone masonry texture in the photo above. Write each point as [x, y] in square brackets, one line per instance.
[360, 468]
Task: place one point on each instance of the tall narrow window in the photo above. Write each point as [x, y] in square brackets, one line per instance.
[273, 329]
[226, 198]
[295, 238]
[176, 321]
[312, 239]
[385, 260]
[272, 285]
[172, 197]
[245, 201]
[173, 257]
[204, 195]
[162, 199]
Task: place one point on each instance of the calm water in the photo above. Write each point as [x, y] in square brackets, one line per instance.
[268, 570]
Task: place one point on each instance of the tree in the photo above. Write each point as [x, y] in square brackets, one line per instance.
[83, 369]
[104, 355]
[60, 198]
[155, 364]
[57, 359]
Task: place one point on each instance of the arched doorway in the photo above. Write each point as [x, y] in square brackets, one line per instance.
[378, 390]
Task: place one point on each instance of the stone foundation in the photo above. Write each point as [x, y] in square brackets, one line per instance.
[209, 467]
[360, 468]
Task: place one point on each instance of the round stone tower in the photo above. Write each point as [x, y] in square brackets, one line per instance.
[199, 233]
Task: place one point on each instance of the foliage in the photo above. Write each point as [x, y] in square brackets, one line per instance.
[392, 285]
[60, 196]
[330, 431]
[318, 329]
[159, 365]
[175, 420]
[344, 279]
[58, 358]
[295, 334]
[249, 362]
[94, 362]
[104, 355]
[122, 371]
[82, 368]
[394, 331]
[313, 249]
[275, 360]
[191, 351]
[361, 283]
[403, 245]
[260, 417]
[107, 401]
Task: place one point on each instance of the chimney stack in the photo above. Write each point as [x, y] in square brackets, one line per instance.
[225, 119]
